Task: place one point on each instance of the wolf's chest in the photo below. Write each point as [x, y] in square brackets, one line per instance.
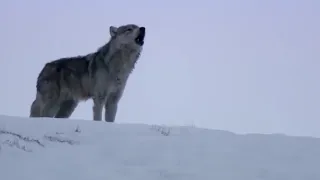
[123, 63]
[108, 81]
[112, 84]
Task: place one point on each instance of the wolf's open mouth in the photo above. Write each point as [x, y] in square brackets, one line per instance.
[140, 38]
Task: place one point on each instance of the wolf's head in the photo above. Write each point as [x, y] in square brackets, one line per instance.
[128, 35]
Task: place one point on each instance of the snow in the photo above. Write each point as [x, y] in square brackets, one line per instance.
[66, 149]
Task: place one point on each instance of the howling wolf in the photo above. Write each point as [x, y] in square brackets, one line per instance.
[101, 75]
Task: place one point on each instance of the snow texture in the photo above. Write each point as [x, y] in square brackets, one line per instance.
[65, 149]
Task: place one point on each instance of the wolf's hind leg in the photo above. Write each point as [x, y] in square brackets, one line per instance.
[35, 109]
[67, 107]
[50, 108]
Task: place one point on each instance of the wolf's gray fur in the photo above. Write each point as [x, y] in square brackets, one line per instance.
[101, 75]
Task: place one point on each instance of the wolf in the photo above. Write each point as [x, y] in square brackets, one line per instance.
[100, 76]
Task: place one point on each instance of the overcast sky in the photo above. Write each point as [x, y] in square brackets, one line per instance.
[243, 66]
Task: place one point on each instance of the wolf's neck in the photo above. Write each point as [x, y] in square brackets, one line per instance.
[122, 60]
[103, 52]
[117, 59]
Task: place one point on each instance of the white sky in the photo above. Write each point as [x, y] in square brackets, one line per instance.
[244, 66]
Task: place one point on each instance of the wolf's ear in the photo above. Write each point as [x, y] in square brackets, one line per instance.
[113, 31]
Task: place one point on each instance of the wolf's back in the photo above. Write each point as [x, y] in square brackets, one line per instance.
[60, 71]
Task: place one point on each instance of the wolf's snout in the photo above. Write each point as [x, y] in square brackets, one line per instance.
[140, 37]
[142, 30]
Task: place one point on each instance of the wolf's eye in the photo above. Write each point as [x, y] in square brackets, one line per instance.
[129, 30]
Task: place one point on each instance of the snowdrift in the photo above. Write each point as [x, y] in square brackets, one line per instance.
[65, 149]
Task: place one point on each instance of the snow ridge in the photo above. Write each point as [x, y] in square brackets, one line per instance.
[51, 149]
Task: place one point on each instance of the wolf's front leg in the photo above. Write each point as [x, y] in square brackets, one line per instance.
[98, 103]
[111, 106]
[110, 111]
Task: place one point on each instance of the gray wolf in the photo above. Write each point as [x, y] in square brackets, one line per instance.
[100, 76]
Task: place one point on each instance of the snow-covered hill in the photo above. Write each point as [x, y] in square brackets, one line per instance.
[64, 149]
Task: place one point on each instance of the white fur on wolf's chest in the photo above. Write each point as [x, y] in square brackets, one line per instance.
[124, 60]
[119, 66]
[108, 83]
[122, 64]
